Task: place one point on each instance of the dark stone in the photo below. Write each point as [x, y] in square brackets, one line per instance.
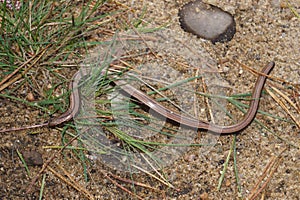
[32, 158]
[207, 21]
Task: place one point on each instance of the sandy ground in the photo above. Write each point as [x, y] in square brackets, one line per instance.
[266, 31]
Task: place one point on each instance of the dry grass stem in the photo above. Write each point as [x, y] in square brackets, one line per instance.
[72, 182]
[133, 182]
[269, 171]
[36, 58]
[155, 177]
[269, 76]
[283, 105]
[121, 187]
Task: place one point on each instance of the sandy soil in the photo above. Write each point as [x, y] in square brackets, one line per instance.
[266, 31]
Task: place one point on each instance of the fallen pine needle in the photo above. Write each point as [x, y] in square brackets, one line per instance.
[281, 103]
[270, 169]
[71, 183]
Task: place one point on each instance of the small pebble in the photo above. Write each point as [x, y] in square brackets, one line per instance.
[32, 158]
[30, 97]
[207, 21]
[190, 157]
[49, 86]
[227, 183]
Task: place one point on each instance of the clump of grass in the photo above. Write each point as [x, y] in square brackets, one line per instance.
[60, 27]
[44, 37]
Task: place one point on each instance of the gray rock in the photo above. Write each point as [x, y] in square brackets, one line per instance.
[207, 21]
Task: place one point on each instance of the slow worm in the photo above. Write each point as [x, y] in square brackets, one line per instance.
[175, 117]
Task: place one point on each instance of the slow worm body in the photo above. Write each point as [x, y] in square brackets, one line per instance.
[152, 104]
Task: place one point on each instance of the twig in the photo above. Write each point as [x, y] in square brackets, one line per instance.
[281, 103]
[274, 163]
[24, 128]
[151, 175]
[38, 55]
[269, 76]
[133, 182]
[120, 186]
[71, 183]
